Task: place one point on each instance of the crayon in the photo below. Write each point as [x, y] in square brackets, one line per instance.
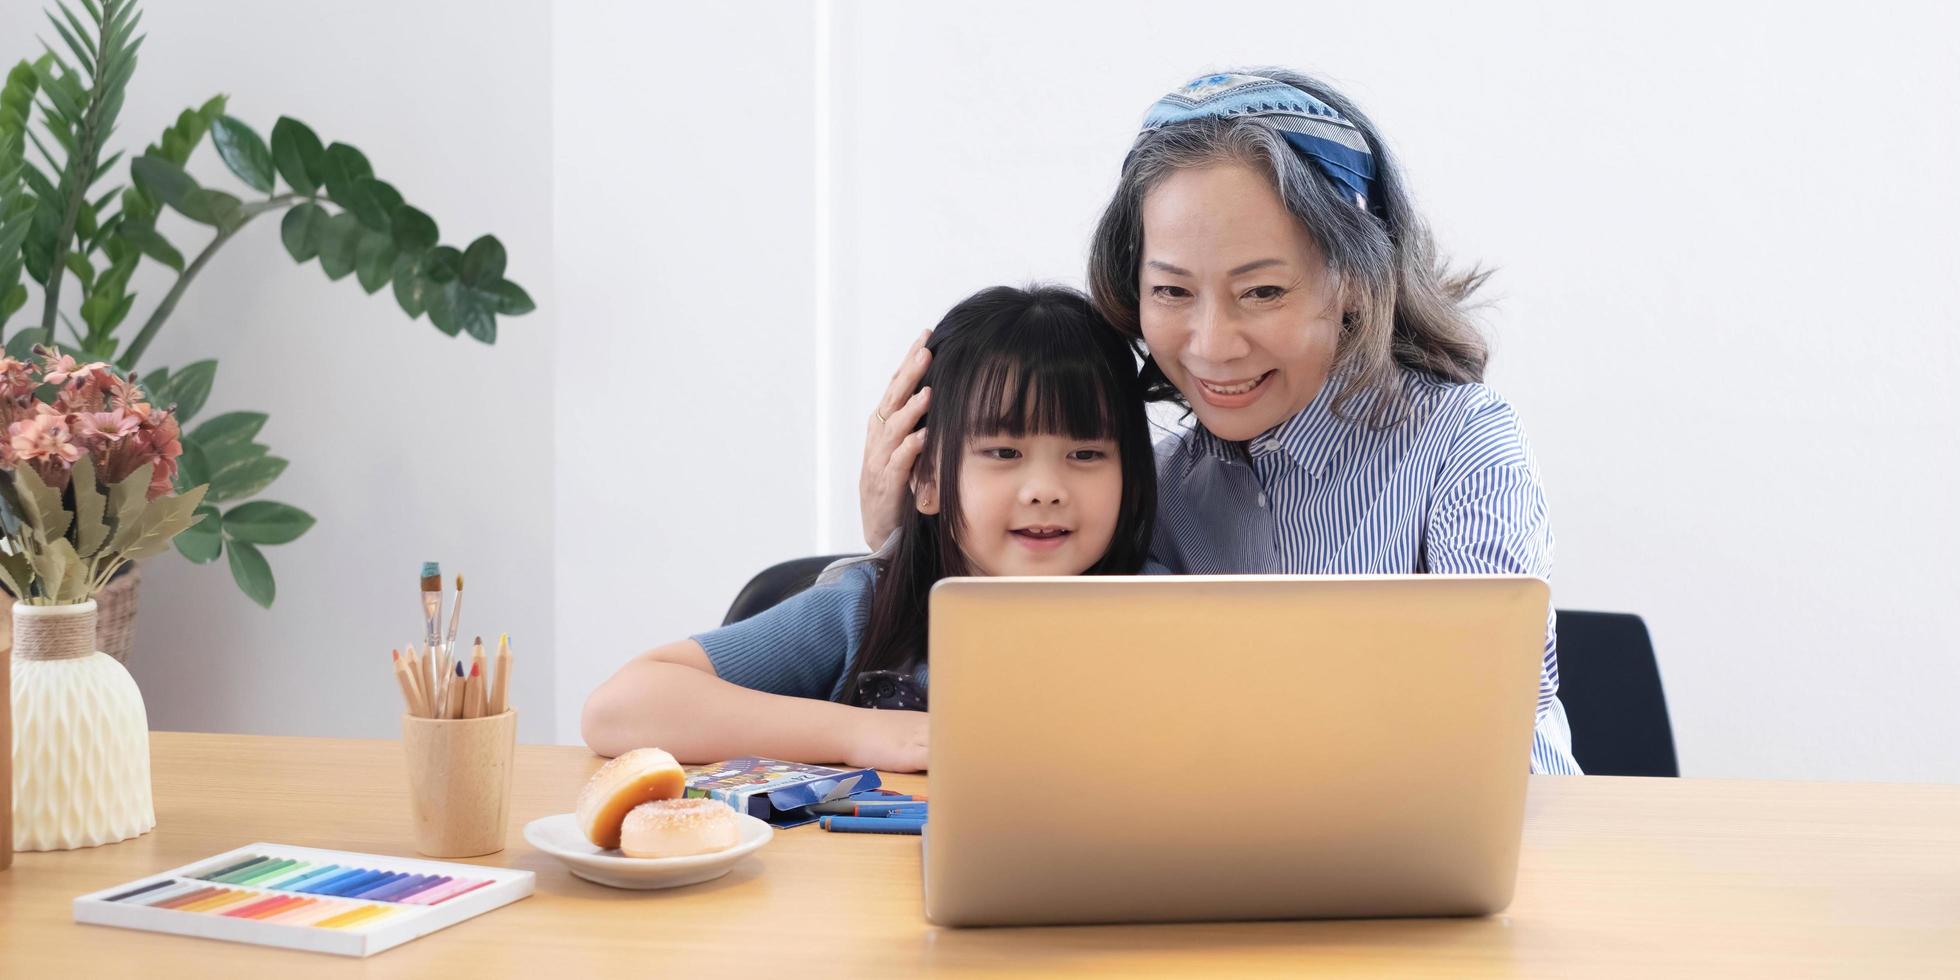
[873, 825]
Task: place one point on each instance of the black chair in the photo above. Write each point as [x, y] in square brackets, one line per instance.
[1610, 685]
[776, 583]
[1608, 678]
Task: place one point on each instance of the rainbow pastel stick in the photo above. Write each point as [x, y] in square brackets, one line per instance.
[325, 885]
[436, 896]
[407, 886]
[392, 879]
[264, 872]
[352, 918]
[296, 911]
[314, 873]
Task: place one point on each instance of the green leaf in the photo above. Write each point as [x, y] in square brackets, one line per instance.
[341, 169]
[385, 195]
[187, 389]
[204, 541]
[231, 427]
[244, 152]
[300, 229]
[40, 506]
[91, 530]
[81, 50]
[163, 518]
[55, 563]
[10, 509]
[250, 571]
[18, 573]
[193, 467]
[144, 236]
[127, 500]
[12, 300]
[408, 284]
[474, 312]
[415, 232]
[20, 346]
[226, 458]
[483, 264]
[337, 240]
[83, 270]
[215, 208]
[296, 152]
[512, 300]
[162, 180]
[374, 261]
[441, 298]
[243, 481]
[212, 108]
[266, 522]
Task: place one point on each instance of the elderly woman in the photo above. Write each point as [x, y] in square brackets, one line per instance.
[1262, 249]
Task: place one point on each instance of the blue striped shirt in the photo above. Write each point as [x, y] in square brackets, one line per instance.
[1453, 488]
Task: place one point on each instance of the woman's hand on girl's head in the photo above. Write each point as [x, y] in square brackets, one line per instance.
[894, 741]
[891, 446]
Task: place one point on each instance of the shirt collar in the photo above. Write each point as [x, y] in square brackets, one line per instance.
[1311, 438]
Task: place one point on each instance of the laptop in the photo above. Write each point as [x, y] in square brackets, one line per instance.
[1179, 748]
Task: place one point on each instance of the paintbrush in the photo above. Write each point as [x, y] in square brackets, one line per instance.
[432, 602]
[455, 615]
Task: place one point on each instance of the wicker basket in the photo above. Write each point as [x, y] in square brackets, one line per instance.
[115, 618]
[115, 614]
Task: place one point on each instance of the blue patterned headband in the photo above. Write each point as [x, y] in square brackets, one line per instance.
[1310, 126]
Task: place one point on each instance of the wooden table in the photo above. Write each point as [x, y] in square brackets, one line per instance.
[1645, 877]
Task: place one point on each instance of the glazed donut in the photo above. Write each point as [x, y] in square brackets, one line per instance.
[675, 828]
[622, 784]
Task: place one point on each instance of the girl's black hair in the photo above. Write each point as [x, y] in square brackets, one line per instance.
[1009, 361]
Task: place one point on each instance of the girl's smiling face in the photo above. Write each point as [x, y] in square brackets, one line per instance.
[1233, 299]
[1035, 504]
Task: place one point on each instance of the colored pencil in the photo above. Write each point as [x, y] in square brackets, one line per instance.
[500, 691]
[473, 693]
[457, 691]
[407, 685]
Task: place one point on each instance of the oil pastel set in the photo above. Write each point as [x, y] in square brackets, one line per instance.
[307, 898]
[777, 792]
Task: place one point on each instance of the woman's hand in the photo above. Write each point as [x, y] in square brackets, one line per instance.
[894, 741]
[891, 446]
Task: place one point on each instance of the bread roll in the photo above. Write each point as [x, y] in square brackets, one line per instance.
[676, 828]
[622, 784]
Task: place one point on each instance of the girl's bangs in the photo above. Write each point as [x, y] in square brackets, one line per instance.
[1048, 390]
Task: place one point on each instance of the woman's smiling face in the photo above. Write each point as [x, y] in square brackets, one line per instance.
[1234, 299]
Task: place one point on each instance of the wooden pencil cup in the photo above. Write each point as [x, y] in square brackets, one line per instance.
[459, 774]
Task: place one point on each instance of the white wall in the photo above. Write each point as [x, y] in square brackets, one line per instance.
[686, 390]
[402, 440]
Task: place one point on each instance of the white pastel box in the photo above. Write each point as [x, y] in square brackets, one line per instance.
[339, 902]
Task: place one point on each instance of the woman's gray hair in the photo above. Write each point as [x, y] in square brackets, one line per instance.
[1401, 305]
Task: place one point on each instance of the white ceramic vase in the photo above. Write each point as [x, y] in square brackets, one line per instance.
[81, 737]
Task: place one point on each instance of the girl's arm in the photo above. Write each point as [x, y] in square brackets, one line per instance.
[670, 697]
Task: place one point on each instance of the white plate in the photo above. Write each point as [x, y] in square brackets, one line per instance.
[560, 837]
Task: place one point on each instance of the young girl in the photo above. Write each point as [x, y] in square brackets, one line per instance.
[1036, 460]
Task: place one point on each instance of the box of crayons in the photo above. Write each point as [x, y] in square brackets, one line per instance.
[777, 792]
[305, 898]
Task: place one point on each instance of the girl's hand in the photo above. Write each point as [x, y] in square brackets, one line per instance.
[891, 446]
[894, 741]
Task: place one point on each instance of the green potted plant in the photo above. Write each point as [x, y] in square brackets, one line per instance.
[75, 226]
